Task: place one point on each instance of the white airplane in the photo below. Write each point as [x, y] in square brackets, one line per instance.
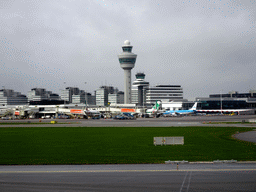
[155, 110]
[182, 112]
[94, 114]
[89, 113]
[4, 110]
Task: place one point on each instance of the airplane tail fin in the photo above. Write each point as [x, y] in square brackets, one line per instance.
[194, 106]
[157, 105]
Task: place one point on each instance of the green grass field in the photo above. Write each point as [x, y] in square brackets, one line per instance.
[229, 123]
[20, 123]
[104, 145]
[36, 123]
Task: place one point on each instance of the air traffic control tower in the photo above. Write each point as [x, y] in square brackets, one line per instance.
[127, 61]
[141, 84]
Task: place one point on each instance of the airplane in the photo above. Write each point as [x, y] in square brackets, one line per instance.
[182, 112]
[6, 111]
[154, 108]
[94, 114]
[69, 110]
[154, 111]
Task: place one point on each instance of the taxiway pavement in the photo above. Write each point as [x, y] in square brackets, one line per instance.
[142, 177]
[139, 122]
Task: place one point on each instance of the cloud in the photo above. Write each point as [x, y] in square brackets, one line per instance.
[204, 46]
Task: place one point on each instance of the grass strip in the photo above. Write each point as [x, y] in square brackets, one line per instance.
[36, 123]
[115, 145]
[228, 123]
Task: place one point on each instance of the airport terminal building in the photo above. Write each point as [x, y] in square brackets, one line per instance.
[163, 92]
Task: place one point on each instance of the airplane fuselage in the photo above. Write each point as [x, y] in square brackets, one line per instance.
[179, 112]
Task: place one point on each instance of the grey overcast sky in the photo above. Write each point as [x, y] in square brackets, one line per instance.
[206, 46]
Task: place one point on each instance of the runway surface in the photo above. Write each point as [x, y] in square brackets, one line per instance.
[148, 177]
[139, 122]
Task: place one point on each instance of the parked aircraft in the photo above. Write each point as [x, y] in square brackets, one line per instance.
[94, 114]
[5, 111]
[155, 110]
[181, 112]
[88, 113]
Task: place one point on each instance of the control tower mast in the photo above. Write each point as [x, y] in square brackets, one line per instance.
[127, 61]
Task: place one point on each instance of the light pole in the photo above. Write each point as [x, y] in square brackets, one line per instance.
[221, 102]
[144, 111]
[64, 92]
[85, 97]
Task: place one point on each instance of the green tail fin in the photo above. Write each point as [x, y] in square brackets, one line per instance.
[156, 106]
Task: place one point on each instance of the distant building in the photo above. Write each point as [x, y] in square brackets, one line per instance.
[116, 98]
[39, 94]
[230, 100]
[67, 93]
[163, 92]
[77, 96]
[90, 99]
[9, 97]
[84, 97]
[221, 103]
[235, 94]
[102, 95]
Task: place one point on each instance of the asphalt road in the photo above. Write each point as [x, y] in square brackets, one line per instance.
[140, 122]
[148, 177]
[247, 136]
